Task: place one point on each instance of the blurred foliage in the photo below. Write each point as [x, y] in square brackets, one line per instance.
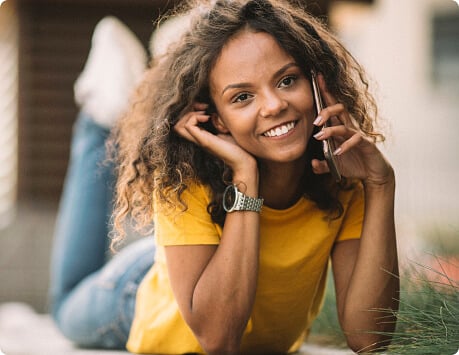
[326, 329]
[441, 239]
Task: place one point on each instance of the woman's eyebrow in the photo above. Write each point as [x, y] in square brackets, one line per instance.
[246, 85]
[284, 69]
[236, 86]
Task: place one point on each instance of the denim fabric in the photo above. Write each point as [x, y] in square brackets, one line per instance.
[92, 299]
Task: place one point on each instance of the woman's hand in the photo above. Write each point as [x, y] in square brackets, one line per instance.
[222, 145]
[356, 155]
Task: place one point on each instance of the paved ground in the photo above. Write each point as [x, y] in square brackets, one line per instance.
[25, 332]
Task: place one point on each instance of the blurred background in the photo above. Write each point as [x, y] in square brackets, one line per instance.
[410, 49]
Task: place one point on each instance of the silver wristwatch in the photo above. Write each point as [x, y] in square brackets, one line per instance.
[235, 200]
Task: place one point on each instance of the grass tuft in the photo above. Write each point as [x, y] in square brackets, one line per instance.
[428, 318]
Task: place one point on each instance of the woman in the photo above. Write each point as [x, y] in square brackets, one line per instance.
[229, 111]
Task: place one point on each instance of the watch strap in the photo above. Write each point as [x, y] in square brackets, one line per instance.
[247, 203]
[241, 201]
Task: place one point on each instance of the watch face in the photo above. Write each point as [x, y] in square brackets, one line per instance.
[229, 197]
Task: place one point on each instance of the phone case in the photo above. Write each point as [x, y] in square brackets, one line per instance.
[328, 144]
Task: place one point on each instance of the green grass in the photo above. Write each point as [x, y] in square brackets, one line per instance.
[428, 318]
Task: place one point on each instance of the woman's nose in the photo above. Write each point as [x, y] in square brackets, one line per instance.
[272, 105]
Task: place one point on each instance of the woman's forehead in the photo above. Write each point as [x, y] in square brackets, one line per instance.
[249, 54]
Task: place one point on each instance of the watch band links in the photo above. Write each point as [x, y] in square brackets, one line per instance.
[247, 203]
[234, 200]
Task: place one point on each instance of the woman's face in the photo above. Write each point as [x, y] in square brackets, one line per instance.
[262, 97]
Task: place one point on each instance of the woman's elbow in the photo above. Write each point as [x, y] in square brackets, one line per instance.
[224, 345]
[218, 340]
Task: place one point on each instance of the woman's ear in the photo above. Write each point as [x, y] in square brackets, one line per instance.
[218, 123]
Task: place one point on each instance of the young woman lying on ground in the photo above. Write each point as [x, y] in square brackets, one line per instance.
[222, 150]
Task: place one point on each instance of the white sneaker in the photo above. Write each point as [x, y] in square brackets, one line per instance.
[114, 67]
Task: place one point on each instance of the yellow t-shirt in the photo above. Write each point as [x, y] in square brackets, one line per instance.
[295, 246]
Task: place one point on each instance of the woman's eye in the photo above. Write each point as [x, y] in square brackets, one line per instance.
[241, 97]
[288, 81]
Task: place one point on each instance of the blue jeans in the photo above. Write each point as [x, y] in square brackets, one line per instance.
[92, 296]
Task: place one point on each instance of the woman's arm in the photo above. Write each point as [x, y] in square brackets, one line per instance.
[215, 285]
[366, 271]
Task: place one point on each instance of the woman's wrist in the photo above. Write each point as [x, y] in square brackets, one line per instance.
[247, 181]
[380, 190]
[388, 181]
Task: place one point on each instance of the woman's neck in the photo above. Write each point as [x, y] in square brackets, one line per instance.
[280, 184]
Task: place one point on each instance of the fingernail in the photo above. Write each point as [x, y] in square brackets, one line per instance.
[338, 151]
[319, 134]
[317, 120]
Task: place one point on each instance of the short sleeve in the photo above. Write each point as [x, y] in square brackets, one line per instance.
[190, 227]
[354, 209]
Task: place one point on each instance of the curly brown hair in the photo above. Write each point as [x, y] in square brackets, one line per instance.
[154, 161]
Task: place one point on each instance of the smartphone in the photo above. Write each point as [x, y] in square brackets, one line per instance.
[328, 145]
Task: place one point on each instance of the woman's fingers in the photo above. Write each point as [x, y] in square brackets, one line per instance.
[337, 110]
[335, 131]
[191, 120]
[363, 159]
[200, 106]
[188, 125]
[348, 144]
[340, 124]
[352, 138]
[189, 128]
[333, 108]
[319, 166]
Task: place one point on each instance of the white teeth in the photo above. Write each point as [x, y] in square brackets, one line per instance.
[279, 131]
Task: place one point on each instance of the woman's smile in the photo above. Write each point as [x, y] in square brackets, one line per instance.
[281, 130]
